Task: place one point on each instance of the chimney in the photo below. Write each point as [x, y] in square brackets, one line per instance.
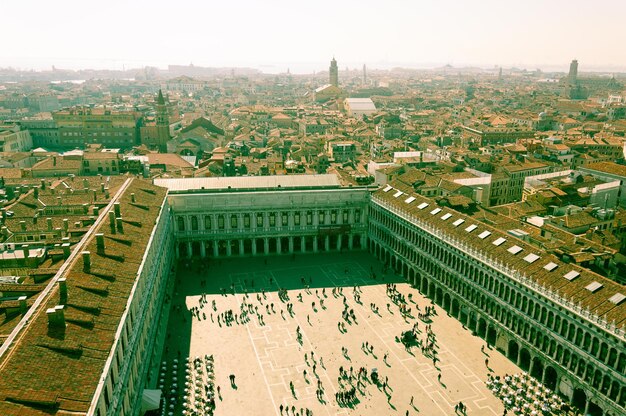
[23, 225]
[56, 317]
[120, 225]
[63, 290]
[36, 192]
[132, 197]
[5, 230]
[49, 223]
[101, 186]
[116, 207]
[35, 218]
[86, 261]
[22, 300]
[66, 225]
[112, 221]
[26, 250]
[85, 208]
[95, 194]
[59, 200]
[43, 184]
[54, 161]
[96, 211]
[100, 242]
[106, 193]
[85, 184]
[66, 249]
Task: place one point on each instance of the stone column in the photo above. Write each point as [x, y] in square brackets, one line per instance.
[177, 251]
[351, 216]
[254, 246]
[363, 240]
[278, 245]
[350, 241]
[229, 249]
[216, 251]
[290, 245]
[302, 242]
[315, 244]
[266, 220]
[202, 249]
[339, 242]
[241, 248]
[189, 249]
[327, 243]
[266, 245]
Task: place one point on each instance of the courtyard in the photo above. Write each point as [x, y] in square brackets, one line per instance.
[304, 328]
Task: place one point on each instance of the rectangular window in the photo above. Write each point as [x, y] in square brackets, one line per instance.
[309, 218]
[345, 216]
[272, 220]
[259, 220]
[220, 222]
[333, 217]
[357, 215]
[296, 218]
[246, 220]
[322, 217]
[285, 219]
[233, 221]
[207, 222]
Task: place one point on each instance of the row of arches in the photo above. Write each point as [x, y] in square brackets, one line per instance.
[422, 256]
[407, 237]
[270, 245]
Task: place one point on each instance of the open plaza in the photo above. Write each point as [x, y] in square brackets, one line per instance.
[305, 335]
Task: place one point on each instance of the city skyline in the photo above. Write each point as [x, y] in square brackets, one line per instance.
[272, 37]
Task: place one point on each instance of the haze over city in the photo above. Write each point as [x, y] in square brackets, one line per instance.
[283, 208]
[275, 35]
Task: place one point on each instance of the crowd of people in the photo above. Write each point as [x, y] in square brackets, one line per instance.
[524, 395]
[199, 394]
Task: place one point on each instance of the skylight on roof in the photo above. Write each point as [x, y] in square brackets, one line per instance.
[388, 188]
[499, 241]
[446, 216]
[409, 199]
[617, 298]
[397, 194]
[484, 235]
[422, 205]
[471, 228]
[571, 275]
[531, 258]
[458, 222]
[550, 266]
[514, 249]
[435, 211]
[593, 286]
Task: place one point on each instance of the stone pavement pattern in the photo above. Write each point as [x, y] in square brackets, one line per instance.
[265, 356]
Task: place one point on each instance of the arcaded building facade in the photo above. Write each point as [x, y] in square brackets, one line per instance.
[561, 323]
[266, 215]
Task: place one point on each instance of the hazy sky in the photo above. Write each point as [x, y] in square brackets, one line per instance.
[306, 34]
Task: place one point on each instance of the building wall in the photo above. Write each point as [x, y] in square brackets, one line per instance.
[121, 390]
[251, 223]
[554, 344]
[78, 128]
[18, 141]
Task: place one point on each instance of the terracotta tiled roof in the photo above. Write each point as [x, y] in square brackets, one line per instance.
[52, 372]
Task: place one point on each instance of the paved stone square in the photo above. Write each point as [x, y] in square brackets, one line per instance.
[265, 355]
